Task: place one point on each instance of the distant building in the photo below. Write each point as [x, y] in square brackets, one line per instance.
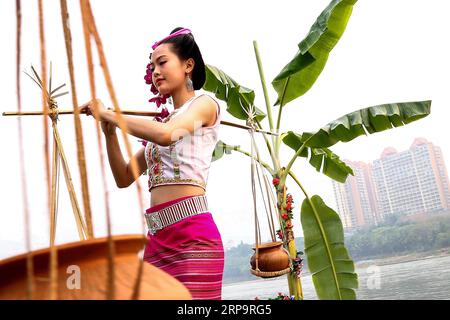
[355, 199]
[414, 181]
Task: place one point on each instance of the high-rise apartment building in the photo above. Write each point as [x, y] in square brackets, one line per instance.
[408, 182]
[412, 181]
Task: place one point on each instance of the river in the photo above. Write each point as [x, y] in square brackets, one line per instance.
[420, 279]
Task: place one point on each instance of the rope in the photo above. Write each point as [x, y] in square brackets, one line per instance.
[257, 230]
[259, 170]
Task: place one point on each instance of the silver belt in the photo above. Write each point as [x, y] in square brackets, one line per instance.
[176, 212]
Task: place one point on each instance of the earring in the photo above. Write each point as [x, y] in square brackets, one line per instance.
[189, 84]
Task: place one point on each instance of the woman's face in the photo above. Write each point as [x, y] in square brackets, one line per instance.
[167, 66]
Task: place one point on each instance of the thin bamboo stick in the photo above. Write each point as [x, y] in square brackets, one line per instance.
[55, 167]
[77, 122]
[111, 290]
[82, 228]
[132, 113]
[45, 108]
[90, 21]
[26, 210]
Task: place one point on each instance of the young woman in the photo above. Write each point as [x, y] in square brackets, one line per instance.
[183, 239]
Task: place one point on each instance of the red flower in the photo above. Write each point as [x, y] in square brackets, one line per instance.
[164, 113]
[285, 216]
[280, 234]
[289, 225]
[276, 181]
[153, 89]
[289, 206]
[159, 100]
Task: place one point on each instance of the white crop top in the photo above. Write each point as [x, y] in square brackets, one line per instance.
[185, 161]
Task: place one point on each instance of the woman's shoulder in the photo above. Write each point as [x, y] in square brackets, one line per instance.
[207, 97]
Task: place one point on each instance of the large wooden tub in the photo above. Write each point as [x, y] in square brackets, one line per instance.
[88, 260]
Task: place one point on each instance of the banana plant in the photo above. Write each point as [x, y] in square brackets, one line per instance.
[331, 267]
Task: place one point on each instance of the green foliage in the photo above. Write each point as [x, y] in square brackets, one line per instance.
[329, 262]
[221, 149]
[322, 159]
[403, 237]
[370, 120]
[332, 269]
[300, 74]
[237, 97]
[237, 263]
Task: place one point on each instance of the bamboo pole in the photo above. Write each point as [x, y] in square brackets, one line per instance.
[81, 224]
[131, 113]
[77, 122]
[55, 189]
[111, 290]
[26, 210]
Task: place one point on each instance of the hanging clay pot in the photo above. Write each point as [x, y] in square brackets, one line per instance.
[90, 259]
[273, 260]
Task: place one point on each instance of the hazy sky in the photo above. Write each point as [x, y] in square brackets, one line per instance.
[391, 51]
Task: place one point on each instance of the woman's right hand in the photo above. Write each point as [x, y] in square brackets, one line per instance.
[108, 128]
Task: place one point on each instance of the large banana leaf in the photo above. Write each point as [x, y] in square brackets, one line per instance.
[221, 149]
[371, 120]
[332, 269]
[299, 75]
[323, 159]
[237, 97]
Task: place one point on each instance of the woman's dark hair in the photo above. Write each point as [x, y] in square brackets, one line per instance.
[185, 47]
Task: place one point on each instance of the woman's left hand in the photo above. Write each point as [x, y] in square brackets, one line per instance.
[94, 108]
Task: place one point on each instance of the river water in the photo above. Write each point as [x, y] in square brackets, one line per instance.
[421, 279]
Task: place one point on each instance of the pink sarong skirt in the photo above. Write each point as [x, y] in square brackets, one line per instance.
[191, 251]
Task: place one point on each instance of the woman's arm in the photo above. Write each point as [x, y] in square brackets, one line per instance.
[201, 112]
[121, 170]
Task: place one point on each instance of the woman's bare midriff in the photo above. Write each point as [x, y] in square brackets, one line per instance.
[164, 193]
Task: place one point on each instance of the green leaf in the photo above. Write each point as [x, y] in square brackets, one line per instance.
[221, 148]
[237, 97]
[322, 159]
[300, 74]
[370, 120]
[332, 269]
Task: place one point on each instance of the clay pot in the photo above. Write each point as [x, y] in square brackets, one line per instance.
[271, 258]
[90, 259]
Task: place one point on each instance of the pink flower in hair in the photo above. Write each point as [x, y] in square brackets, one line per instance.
[159, 99]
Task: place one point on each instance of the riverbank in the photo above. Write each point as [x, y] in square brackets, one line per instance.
[390, 260]
[361, 264]
[424, 277]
